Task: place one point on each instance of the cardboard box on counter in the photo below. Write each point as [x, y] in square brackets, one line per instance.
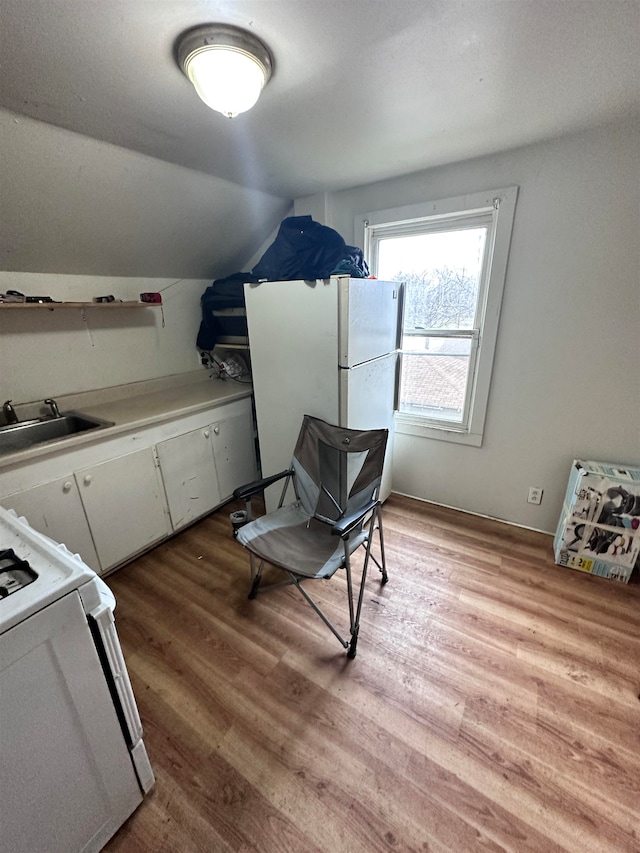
[599, 527]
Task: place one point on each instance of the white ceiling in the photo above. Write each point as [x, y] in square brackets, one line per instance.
[363, 89]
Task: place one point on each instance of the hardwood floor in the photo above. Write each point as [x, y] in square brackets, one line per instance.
[493, 705]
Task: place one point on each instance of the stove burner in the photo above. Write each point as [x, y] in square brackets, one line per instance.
[15, 573]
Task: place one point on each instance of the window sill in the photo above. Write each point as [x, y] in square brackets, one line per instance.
[407, 425]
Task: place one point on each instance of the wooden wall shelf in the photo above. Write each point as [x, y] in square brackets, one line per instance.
[51, 306]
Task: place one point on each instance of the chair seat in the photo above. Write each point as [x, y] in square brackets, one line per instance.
[289, 538]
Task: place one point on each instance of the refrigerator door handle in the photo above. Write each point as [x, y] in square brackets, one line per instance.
[400, 324]
[396, 392]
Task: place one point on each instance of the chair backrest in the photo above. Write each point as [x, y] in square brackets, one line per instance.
[338, 470]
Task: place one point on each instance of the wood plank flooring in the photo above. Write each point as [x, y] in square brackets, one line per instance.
[493, 704]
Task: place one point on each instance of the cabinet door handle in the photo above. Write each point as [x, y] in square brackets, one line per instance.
[66, 487]
[87, 479]
[207, 433]
[216, 430]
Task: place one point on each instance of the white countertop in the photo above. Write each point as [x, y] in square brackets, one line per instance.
[138, 405]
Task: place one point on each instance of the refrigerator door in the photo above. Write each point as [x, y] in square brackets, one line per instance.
[293, 339]
[367, 398]
[369, 318]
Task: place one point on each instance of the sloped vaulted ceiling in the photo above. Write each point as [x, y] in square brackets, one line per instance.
[363, 90]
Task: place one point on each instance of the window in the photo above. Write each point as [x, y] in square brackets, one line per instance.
[452, 257]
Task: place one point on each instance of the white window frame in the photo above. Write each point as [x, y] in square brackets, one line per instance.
[499, 206]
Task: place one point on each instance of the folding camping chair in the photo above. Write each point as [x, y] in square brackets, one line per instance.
[335, 474]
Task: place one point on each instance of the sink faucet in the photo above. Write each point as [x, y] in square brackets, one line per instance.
[9, 412]
[53, 406]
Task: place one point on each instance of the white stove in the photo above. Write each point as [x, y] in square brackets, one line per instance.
[15, 573]
[74, 766]
[49, 570]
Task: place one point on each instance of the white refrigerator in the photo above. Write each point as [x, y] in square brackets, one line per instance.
[327, 348]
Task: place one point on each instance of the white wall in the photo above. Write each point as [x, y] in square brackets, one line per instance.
[566, 380]
[74, 205]
[48, 353]
[81, 218]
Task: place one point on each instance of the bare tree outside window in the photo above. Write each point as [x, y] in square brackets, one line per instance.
[451, 253]
[439, 299]
[441, 271]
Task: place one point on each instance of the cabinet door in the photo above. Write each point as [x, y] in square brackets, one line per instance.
[125, 505]
[234, 451]
[189, 474]
[55, 509]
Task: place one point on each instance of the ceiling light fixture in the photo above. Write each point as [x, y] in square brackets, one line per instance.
[228, 66]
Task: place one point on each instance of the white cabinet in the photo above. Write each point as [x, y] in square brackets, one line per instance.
[125, 505]
[105, 513]
[201, 468]
[112, 500]
[234, 451]
[189, 474]
[56, 510]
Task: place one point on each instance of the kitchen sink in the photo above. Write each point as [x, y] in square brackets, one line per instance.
[23, 435]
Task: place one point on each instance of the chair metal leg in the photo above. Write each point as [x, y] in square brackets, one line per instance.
[254, 588]
[256, 576]
[351, 651]
[383, 567]
[355, 608]
[375, 523]
[355, 617]
[324, 618]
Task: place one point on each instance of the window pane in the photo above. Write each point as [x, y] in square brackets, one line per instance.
[441, 270]
[452, 255]
[435, 371]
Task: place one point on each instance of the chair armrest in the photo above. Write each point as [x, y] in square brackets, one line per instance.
[344, 526]
[250, 489]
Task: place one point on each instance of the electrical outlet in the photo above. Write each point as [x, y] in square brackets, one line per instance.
[535, 495]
